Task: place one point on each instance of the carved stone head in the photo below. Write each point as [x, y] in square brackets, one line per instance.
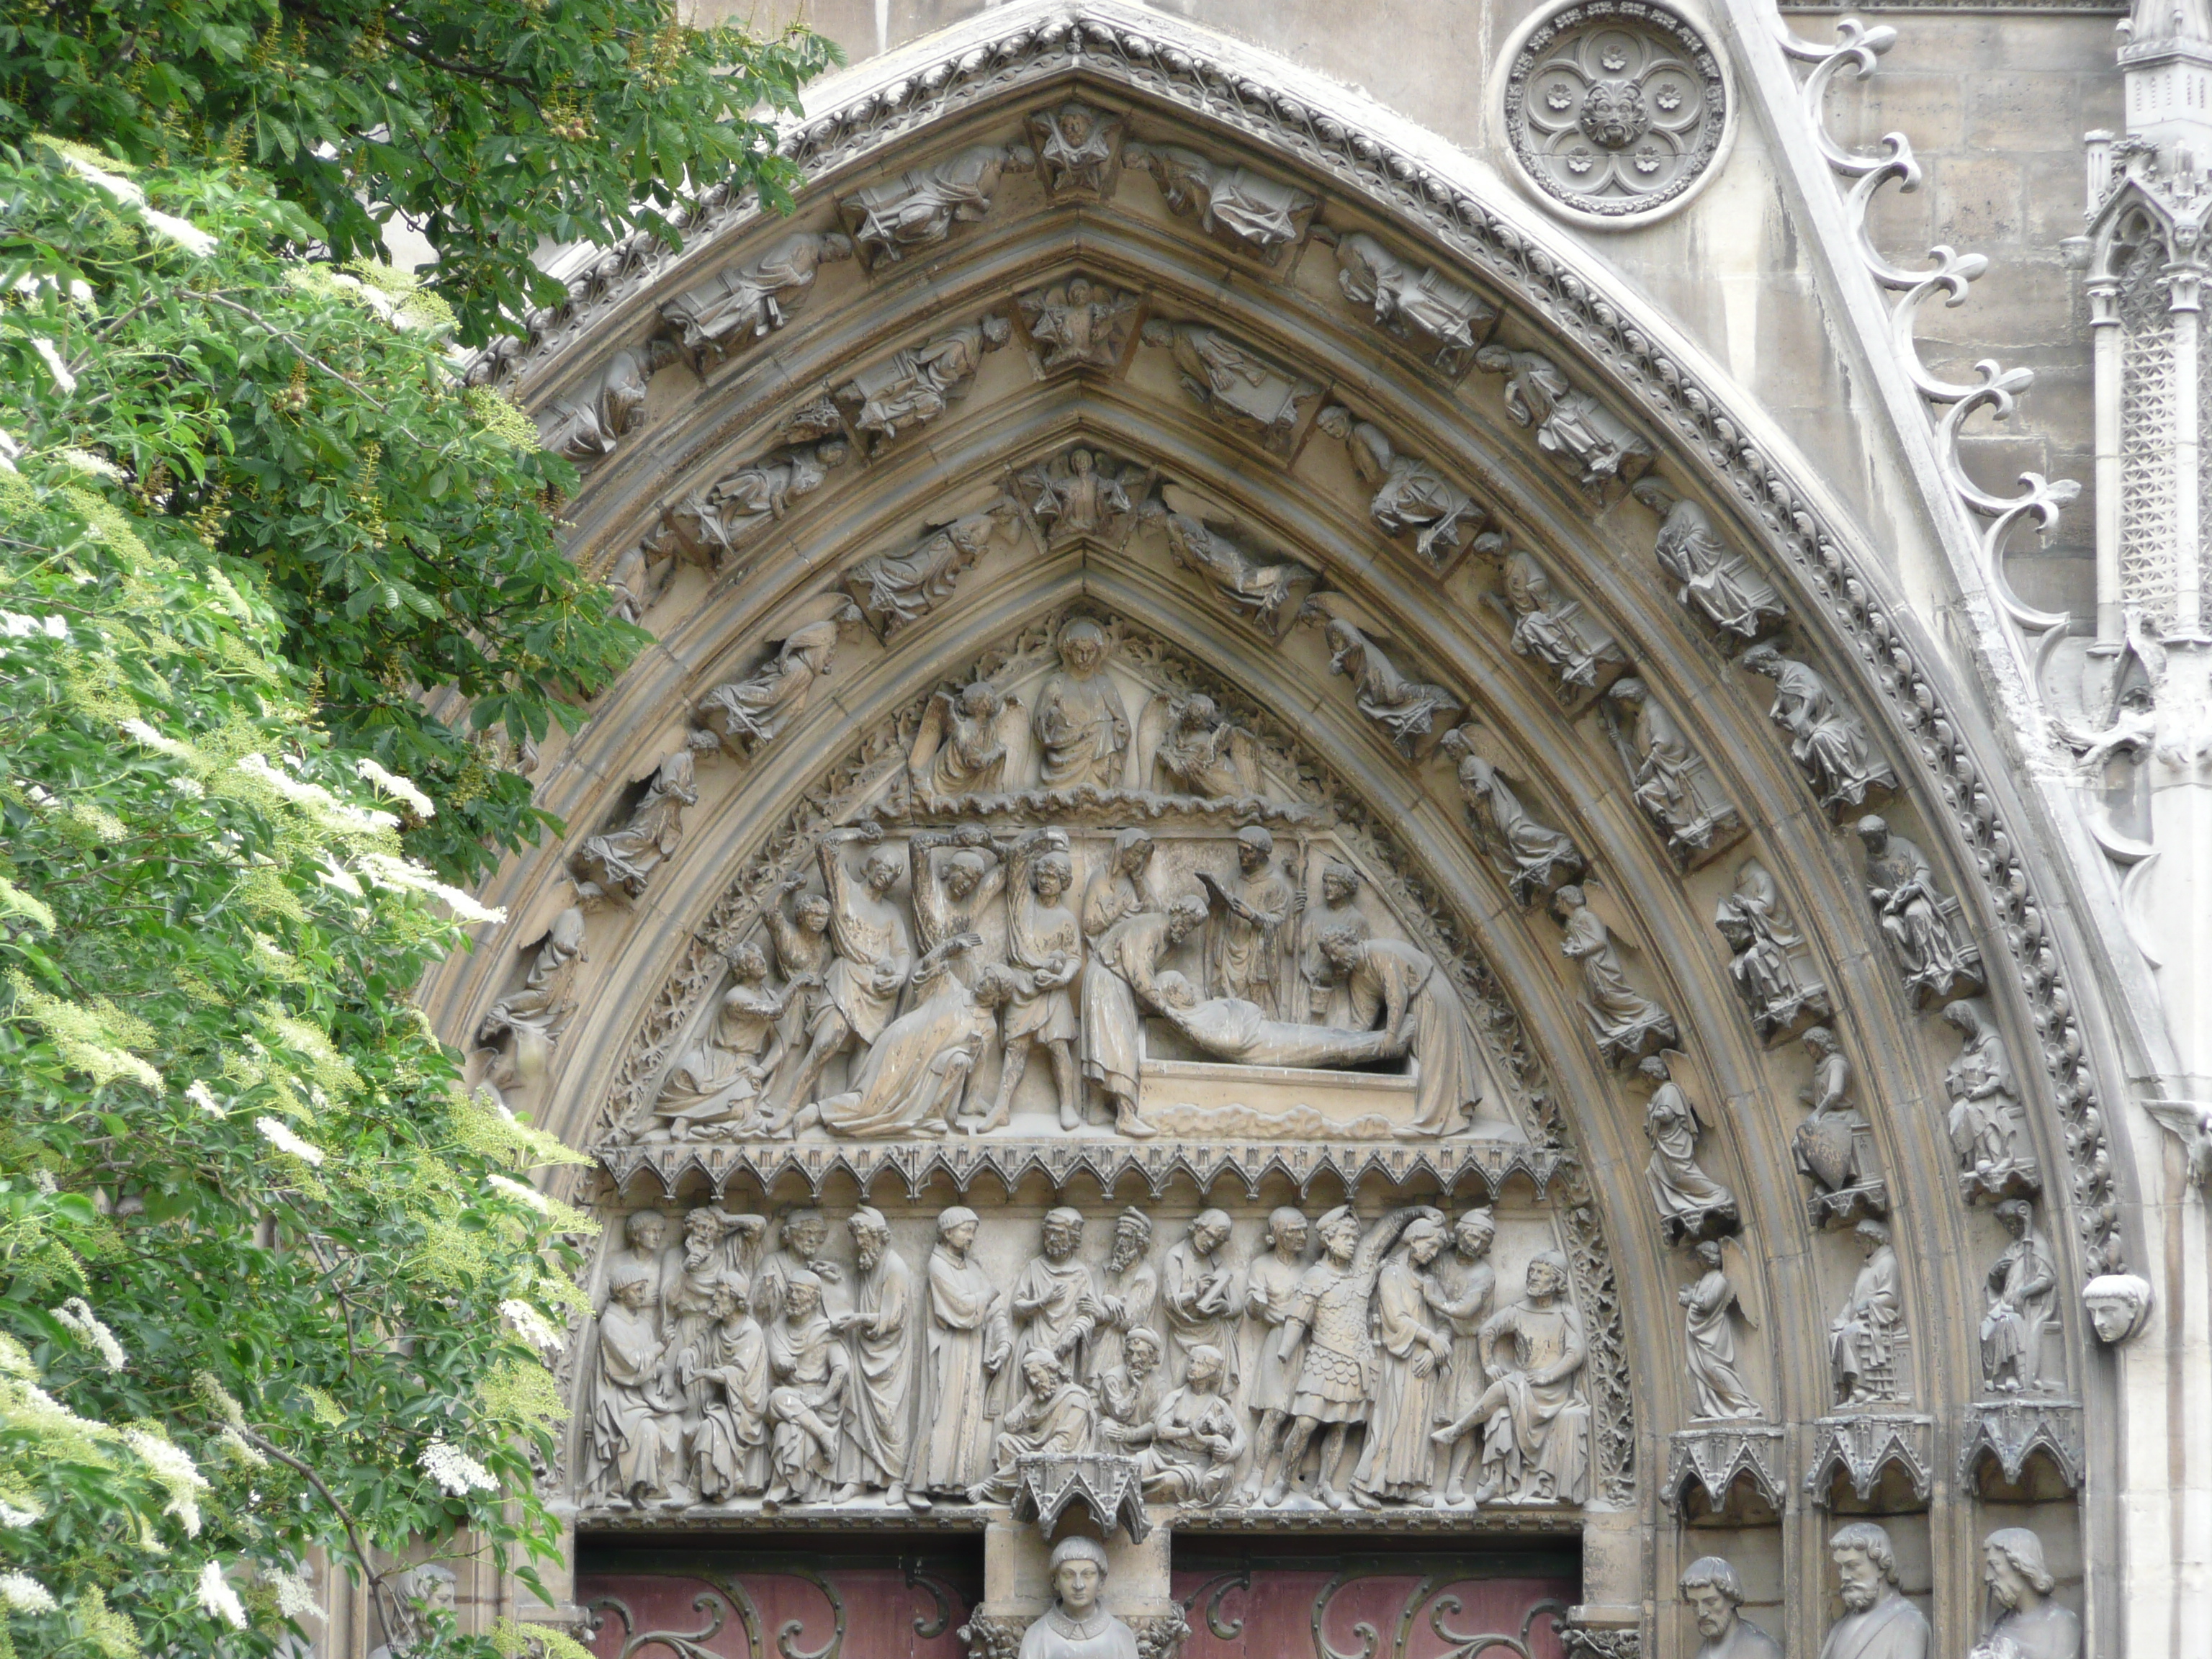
[1079, 1574]
[1714, 1592]
[1340, 882]
[1820, 1043]
[1874, 831]
[1474, 1233]
[1339, 1234]
[871, 1235]
[802, 1297]
[1043, 1372]
[1185, 917]
[2012, 1568]
[1547, 1275]
[2119, 1305]
[1082, 646]
[1133, 1235]
[1287, 1231]
[882, 871]
[1255, 847]
[1140, 1352]
[1062, 1232]
[1865, 1561]
[1873, 1234]
[1342, 946]
[646, 1231]
[1206, 1368]
[1209, 1231]
[1613, 115]
[956, 1228]
[805, 1232]
[749, 963]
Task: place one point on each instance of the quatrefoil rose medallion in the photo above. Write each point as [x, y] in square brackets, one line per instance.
[1616, 110]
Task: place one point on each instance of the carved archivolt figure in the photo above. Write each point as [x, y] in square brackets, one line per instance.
[622, 860]
[962, 1350]
[1720, 586]
[1080, 324]
[1190, 1455]
[1235, 384]
[1558, 633]
[1075, 148]
[1044, 948]
[1414, 302]
[1770, 966]
[1988, 1123]
[1055, 1413]
[521, 1028]
[640, 574]
[917, 208]
[894, 590]
[873, 955]
[1714, 1593]
[1390, 981]
[1130, 1302]
[718, 1084]
[1533, 1418]
[1834, 1145]
[1414, 713]
[1920, 920]
[913, 385]
[1247, 209]
[426, 1594]
[1864, 1335]
[1460, 1287]
[1711, 1338]
[584, 424]
[1670, 779]
[2021, 1285]
[1124, 962]
[1081, 725]
[1198, 1297]
[1072, 496]
[1532, 856]
[1075, 1626]
[736, 510]
[1271, 1286]
[809, 1372]
[2024, 1622]
[1570, 424]
[754, 299]
[1831, 744]
[1878, 1622]
[1690, 1202]
[1397, 1460]
[1626, 1024]
[1248, 940]
[1253, 586]
[1410, 494]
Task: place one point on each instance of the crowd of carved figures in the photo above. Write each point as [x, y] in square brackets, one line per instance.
[1351, 1363]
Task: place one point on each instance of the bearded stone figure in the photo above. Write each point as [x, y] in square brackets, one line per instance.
[1054, 1415]
[1714, 1593]
[1075, 1626]
[1878, 1622]
[1533, 1418]
[879, 1330]
[1129, 1302]
[2025, 1623]
[1082, 726]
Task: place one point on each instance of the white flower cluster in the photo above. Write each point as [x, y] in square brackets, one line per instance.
[404, 875]
[55, 366]
[457, 1473]
[203, 1097]
[532, 1326]
[17, 627]
[185, 235]
[315, 798]
[155, 740]
[170, 1465]
[295, 1595]
[218, 1600]
[12, 1515]
[521, 1193]
[21, 1593]
[280, 1136]
[397, 788]
[76, 1314]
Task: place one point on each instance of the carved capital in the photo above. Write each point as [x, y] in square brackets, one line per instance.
[991, 1637]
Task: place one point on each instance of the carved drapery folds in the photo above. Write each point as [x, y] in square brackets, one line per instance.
[1079, 324]
[1446, 322]
[1236, 386]
[1534, 858]
[1669, 778]
[1240, 209]
[735, 308]
[1713, 580]
[1830, 743]
[916, 384]
[919, 208]
[893, 591]
[1412, 497]
[584, 424]
[1770, 963]
[1586, 437]
[1922, 924]
[1259, 586]
[714, 524]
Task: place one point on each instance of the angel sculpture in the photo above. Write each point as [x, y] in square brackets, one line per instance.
[1626, 1024]
[1692, 1205]
[1196, 752]
[1075, 145]
[1080, 324]
[1410, 494]
[1255, 587]
[1532, 856]
[1074, 496]
[961, 749]
[1707, 1303]
[1413, 711]
[748, 713]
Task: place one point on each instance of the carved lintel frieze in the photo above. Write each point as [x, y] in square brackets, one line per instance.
[1712, 1459]
[2011, 1430]
[1860, 1445]
[1106, 1484]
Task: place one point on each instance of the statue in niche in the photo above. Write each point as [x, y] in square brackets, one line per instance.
[1670, 779]
[916, 1073]
[1124, 962]
[640, 574]
[1878, 1622]
[916, 384]
[584, 424]
[1720, 586]
[1122, 886]
[623, 861]
[1834, 1145]
[1253, 586]
[1235, 384]
[1411, 496]
[879, 1335]
[1864, 1335]
[961, 747]
[1130, 1302]
[1534, 1418]
[1532, 857]
[1328, 995]
[1248, 941]
[1271, 1288]
[1391, 981]
[1556, 632]
[1080, 324]
[1190, 1455]
[1327, 1329]
[2022, 1287]
[1055, 1413]
[1461, 1286]
[1709, 1337]
[748, 714]
[1416, 303]
[873, 954]
[917, 208]
[962, 1348]
[1831, 744]
[1200, 753]
[802, 1239]
[1075, 1626]
[1920, 920]
[958, 875]
[1691, 1203]
[896, 590]
[636, 1413]
[1198, 1297]
[1247, 209]
[1715, 1594]
[734, 511]
[1415, 712]
[1397, 1459]
[1080, 723]
[754, 299]
[715, 1089]
[1129, 1392]
[521, 1028]
[1570, 424]
[1074, 496]
[1770, 964]
[1241, 1034]
[729, 1450]
[1051, 1308]
[808, 1371]
[1075, 148]
[1626, 1024]
[1044, 949]
[1988, 1123]
[2025, 1623]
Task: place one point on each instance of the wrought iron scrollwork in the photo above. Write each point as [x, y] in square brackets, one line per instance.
[1430, 1595]
[1219, 1585]
[682, 1644]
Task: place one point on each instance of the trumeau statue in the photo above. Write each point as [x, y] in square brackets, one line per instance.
[1554, 631]
[1244, 209]
[1716, 583]
[1075, 1626]
[584, 424]
[894, 590]
[1710, 1338]
[740, 306]
[916, 384]
[1770, 963]
[1570, 424]
[2021, 1287]
[1834, 1145]
[1079, 324]
[1626, 1024]
[1419, 305]
[1415, 712]
[1078, 149]
[1257, 586]
[718, 523]
[1411, 496]
[1864, 1336]
[746, 715]
[1878, 1622]
[1692, 1205]
[1988, 1121]
[917, 208]
[623, 861]
[1922, 924]
[1532, 1417]
[1235, 384]
[1533, 858]
[1714, 1594]
[2025, 1622]
[1830, 743]
[1671, 781]
[1084, 492]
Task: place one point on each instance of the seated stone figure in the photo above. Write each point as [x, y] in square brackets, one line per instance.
[1057, 1415]
[1231, 1029]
